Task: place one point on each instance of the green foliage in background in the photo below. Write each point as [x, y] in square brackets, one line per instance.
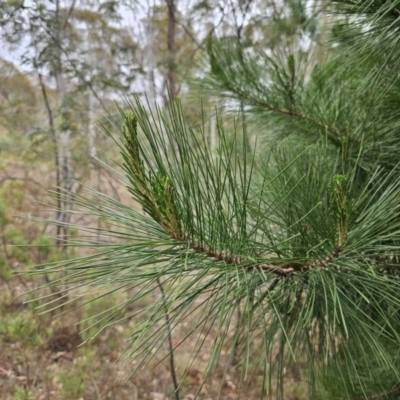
[21, 327]
[72, 384]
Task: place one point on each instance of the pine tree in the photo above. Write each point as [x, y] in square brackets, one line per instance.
[302, 238]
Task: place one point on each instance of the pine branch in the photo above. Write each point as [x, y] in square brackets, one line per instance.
[284, 111]
[158, 200]
[279, 269]
[228, 83]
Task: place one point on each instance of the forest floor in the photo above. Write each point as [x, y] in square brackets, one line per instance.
[43, 357]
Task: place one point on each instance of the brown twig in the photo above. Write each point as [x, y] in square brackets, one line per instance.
[171, 347]
[280, 269]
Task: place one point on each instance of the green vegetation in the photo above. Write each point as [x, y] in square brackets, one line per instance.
[235, 231]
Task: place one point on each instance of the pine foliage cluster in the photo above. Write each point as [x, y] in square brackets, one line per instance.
[302, 238]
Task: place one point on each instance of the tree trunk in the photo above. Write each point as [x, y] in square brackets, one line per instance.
[63, 151]
[170, 78]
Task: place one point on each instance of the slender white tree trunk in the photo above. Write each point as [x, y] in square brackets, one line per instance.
[92, 127]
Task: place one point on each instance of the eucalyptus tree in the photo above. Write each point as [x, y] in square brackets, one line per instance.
[74, 50]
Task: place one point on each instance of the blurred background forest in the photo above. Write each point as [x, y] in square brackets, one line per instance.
[65, 68]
